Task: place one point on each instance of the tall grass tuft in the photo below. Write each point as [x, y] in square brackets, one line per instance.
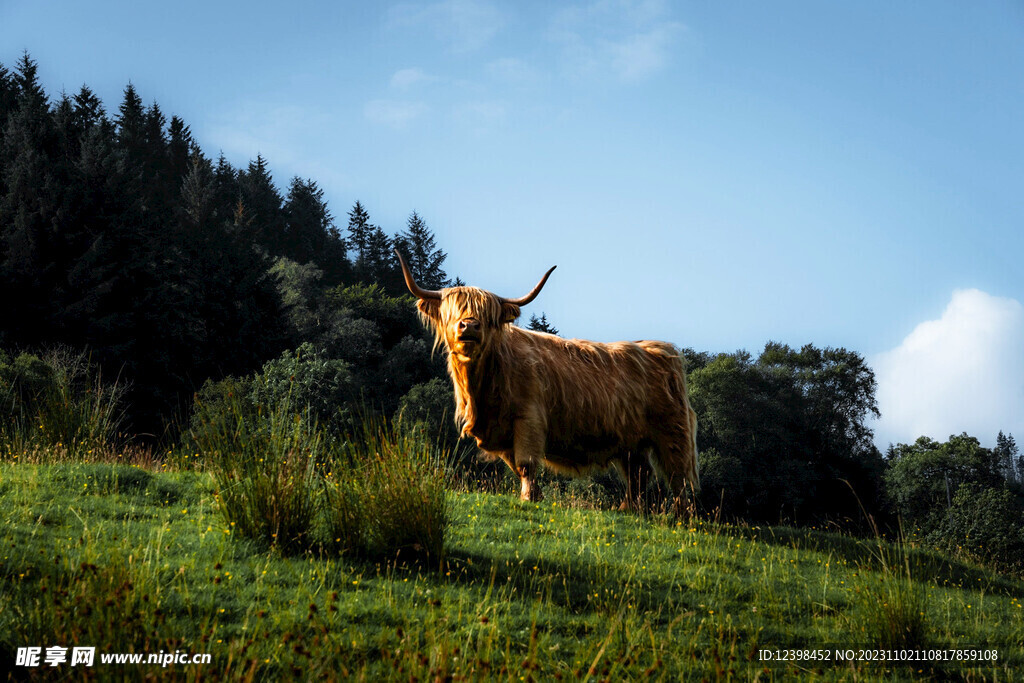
[896, 613]
[265, 468]
[386, 494]
[55, 407]
[284, 481]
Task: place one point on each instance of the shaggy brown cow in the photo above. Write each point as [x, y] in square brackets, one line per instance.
[576, 406]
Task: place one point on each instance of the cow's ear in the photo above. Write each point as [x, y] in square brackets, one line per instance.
[431, 308]
[509, 313]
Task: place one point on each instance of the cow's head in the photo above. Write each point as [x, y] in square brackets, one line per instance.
[467, 320]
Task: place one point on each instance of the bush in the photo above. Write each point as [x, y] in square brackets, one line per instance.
[984, 525]
[299, 381]
[56, 407]
[895, 613]
[430, 407]
[306, 379]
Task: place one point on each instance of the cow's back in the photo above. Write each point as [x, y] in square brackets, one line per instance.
[599, 398]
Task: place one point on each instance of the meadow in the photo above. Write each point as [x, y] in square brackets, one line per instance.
[141, 557]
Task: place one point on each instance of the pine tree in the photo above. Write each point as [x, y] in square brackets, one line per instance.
[161, 187]
[27, 210]
[130, 120]
[378, 259]
[359, 229]
[541, 324]
[180, 148]
[89, 110]
[422, 254]
[198, 192]
[232, 300]
[311, 233]
[68, 135]
[153, 130]
[8, 96]
[263, 205]
[225, 186]
[74, 218]
[1008, 457]
[26, 82]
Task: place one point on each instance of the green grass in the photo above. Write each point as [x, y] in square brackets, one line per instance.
[132, 560]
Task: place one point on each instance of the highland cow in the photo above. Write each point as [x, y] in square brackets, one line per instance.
[575, 406]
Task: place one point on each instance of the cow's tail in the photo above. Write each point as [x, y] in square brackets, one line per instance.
[688, 424]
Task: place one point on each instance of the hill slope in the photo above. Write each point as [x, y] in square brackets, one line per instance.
[127, 560]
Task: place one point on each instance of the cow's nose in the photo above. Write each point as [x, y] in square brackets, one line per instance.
[469, 324]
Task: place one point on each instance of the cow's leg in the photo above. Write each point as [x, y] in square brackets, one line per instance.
[509, 459]
[637, 472]
[528, 438]
[675, 450]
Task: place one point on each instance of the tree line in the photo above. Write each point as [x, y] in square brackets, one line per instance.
[194, 283]
[119, 235]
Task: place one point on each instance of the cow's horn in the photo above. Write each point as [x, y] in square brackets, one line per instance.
[416, 290]
[533, 292]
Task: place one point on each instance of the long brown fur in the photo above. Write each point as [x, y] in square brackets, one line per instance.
[575, 406]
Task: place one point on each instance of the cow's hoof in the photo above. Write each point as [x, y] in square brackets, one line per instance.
[533, 495]
[638, 505]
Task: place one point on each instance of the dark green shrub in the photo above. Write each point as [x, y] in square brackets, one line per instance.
[985, 525]
[430, 407]
[304, 378]
[56, 406]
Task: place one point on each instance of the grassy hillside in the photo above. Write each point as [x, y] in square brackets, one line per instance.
[129, 560]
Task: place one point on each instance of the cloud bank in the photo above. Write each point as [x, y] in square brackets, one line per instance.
[463, 25]
[629, 40]
[404, 79]
[397, 114]
[961, 373]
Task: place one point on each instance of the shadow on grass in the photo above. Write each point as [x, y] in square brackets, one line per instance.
[925, 565]
[567, 585]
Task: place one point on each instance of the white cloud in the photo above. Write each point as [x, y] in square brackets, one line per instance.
[280, 133]
[276, 131]
[627, 40]
[480, 117]
[513, 71]
[394, 113]
[961, 373]
[464, 25]
[640, 55]
[404, 79]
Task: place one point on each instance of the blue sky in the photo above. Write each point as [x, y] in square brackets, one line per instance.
[712, 174]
